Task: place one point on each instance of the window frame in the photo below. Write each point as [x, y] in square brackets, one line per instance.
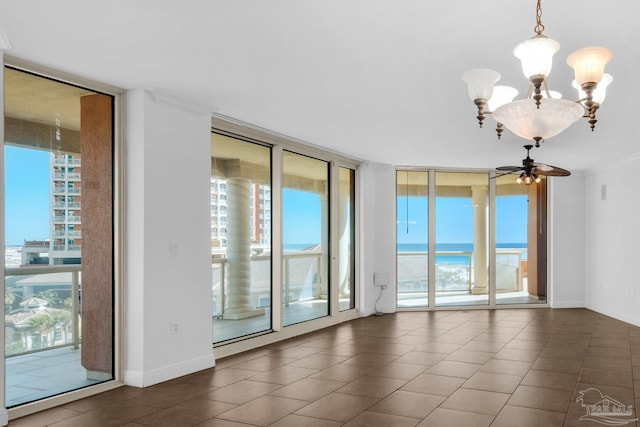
[278, 143]
[118, 205]
[492, 304]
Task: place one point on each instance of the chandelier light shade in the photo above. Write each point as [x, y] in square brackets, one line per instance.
[536, 56]
[588, 64]
[542, 114]
[501, 95]
[526, 120]
[480, 82]
[599, 93]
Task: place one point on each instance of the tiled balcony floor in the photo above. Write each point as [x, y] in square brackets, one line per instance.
[521, 367]
[44, 374]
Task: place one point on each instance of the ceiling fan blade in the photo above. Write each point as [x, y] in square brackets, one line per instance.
[552, 171]
[498, 175]
[541, 166]
[509, 168]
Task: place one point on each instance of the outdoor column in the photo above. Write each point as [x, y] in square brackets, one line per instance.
[238, 273]
[480, 200]
[343, 243]
[96, 141]
[323, 274]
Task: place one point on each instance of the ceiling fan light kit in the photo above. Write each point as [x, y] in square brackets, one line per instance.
[541, 115]
[531, 171]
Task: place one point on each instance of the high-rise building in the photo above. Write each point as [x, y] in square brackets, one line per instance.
[66, 203]
[65, 219]
[260, 214]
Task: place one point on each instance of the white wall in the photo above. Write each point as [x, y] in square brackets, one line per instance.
[612, 234]
[168, 281]
[567, 243]
[378, 236]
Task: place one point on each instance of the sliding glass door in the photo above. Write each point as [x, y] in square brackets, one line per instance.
[346, 238]
[59, 248]
[240, 237]
[412, 259]
[520, 242]
[305, 238]
[283, 239]
[462, 238]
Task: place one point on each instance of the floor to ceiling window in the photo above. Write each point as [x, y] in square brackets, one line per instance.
[516, 207]
[412, 233]
[59, 262]
[521, 242]
[347, 238]
[305, 238]
[466, 269]
[283, 238]
[462, 238]
[240, 237]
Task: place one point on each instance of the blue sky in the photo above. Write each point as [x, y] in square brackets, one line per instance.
[454, 220]
[26, 195]
[301, 217]
[27, 209]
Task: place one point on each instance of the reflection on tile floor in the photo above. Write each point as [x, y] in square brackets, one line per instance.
[301, 311]
[520, 367]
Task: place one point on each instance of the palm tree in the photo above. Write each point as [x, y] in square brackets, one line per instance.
[51, 297]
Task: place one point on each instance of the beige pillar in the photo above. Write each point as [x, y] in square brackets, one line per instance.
[480, 200]
[238, 274]
[343, 243]
[323, 273]
[96, 141]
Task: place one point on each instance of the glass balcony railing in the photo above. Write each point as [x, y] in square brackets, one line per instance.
[454, 271]
[42, 308]
[302, 280]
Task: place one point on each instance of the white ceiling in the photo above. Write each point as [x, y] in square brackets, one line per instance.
[374, 79]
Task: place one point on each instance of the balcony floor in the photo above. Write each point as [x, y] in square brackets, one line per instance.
[38, 375]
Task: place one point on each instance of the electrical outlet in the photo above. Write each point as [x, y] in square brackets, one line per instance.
[173, 328]
[381, 278]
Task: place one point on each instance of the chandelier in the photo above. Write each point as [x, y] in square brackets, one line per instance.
[542, 114]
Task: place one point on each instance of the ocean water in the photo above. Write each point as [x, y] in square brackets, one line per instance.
[453, 259]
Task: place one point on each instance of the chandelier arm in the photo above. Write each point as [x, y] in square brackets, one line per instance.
[586, 114]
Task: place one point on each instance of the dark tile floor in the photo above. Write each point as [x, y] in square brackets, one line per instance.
[526, 367]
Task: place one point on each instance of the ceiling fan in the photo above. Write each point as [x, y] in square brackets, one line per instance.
[530, 171]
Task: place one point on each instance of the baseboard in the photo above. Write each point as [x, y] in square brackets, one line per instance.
[568, 304]
[156, 376]
[634, 320]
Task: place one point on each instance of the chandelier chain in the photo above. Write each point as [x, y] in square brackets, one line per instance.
[539, 28]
